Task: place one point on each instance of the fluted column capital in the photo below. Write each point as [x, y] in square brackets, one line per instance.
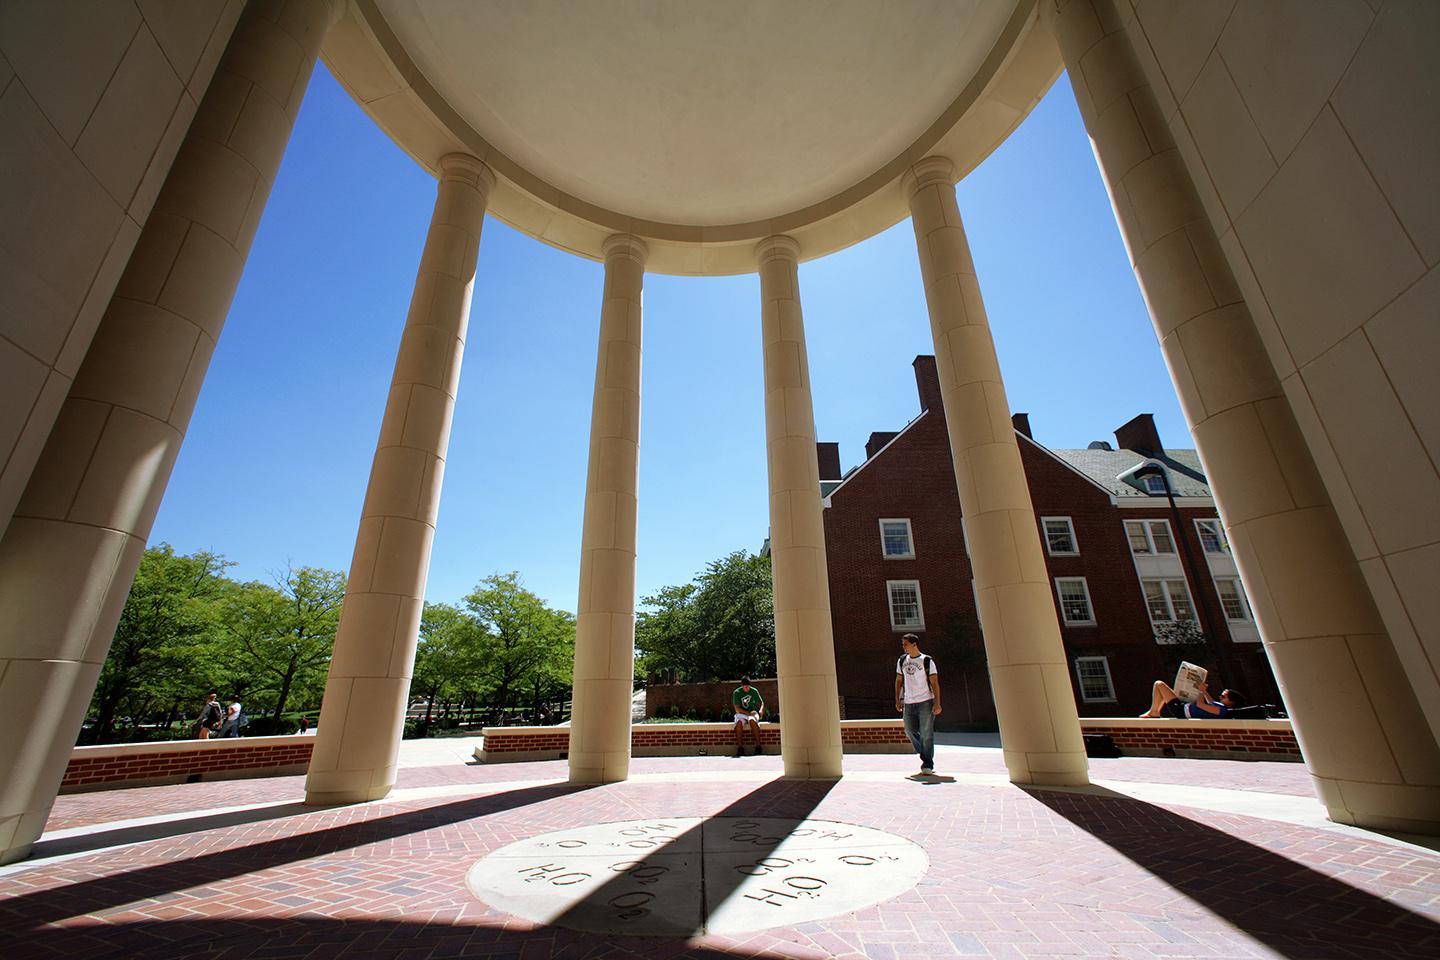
[626, 246]
[778, 247]
[930, 171]
[467, 169]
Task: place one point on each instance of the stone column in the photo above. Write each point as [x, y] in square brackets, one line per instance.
[368, 687]
[1360, 727]
[804, 641]
[605, 618]
[1030, 677]
[71, 551]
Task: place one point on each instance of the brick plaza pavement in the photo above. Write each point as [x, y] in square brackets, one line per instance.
[1013, 873]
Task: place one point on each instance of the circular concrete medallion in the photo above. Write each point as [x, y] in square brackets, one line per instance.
[682, 876]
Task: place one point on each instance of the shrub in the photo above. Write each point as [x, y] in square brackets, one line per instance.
[271, 727]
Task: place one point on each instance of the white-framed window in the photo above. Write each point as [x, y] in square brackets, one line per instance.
[1154, 483]
[1212, 535]
[1149, 537]
[896, 543]
[1060, 536]
[1232, 598]
[1092, 676]
[1167, 600]
[1074, 601]
[906, 613]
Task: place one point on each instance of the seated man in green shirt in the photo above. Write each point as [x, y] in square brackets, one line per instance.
[748, 705]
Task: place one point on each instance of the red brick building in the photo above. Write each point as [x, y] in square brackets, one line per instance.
[1133, 546]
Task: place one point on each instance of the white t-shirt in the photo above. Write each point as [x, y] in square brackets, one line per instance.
[917, 683]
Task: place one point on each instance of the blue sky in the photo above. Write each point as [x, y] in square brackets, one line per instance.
[274, 467]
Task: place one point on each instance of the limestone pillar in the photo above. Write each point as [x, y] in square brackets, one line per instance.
[605, 618]
[1039, 728]
[71, 551]
[367, 690]
[1360, 727]
[804, 642]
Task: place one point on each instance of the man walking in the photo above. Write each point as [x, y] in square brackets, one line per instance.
[231, 727]
[917, 697]
[747, 703]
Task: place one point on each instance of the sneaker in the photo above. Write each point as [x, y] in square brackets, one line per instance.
[739, 751]
[926, 771]
[759, 750]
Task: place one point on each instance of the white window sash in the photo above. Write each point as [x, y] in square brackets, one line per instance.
[886, 536]
[914, 587]
[1086, 680]
[1069, 532]
[1060, 584]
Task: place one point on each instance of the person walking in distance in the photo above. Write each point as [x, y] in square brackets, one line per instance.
[917, 698]
[210, 716]
[231, 726]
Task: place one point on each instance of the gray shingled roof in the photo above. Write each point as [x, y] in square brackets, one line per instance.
[1187, 477]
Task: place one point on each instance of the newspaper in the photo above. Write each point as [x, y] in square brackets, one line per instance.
[1187, 681]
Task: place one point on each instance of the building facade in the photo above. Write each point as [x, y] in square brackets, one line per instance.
[1134, 549]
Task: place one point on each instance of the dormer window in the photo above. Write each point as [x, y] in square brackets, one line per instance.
[1155, 483]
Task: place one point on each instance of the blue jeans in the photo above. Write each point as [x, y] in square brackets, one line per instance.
[920, 728]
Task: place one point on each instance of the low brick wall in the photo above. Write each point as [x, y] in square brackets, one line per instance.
[1199, 739]
[511, 744]
[180, 761]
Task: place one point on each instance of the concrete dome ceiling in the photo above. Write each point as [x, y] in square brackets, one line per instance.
[696, 125]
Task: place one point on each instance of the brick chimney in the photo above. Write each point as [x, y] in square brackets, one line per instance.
[1140, 435]
[1021, 422]
[927, 382]
[828, 454]
[877, 440]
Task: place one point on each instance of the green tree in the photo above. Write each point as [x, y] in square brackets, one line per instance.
[719, 627]
[447, 654]
[1179, 641]
[664, 633]
[168, 621]
[522, 637]
[287, 632]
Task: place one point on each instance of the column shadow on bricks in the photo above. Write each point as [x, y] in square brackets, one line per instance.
[46, 851]
[791, 800]
[1294, 910]
[321, 938]
[25, 934]
[26, 913]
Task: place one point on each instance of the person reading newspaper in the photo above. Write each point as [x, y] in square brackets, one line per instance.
[1165, 701]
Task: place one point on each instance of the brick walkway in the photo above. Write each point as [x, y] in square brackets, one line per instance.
[1013, 873]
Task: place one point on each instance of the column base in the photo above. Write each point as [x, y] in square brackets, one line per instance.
[16, 854]
[822, 767]
[1047, 769]
[336, 798]
[1398, 807]
[594, 770]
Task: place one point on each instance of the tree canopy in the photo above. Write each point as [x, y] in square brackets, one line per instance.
[720, 626]
[187, 628]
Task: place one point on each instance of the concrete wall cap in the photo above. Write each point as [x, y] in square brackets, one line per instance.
[102, 750]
